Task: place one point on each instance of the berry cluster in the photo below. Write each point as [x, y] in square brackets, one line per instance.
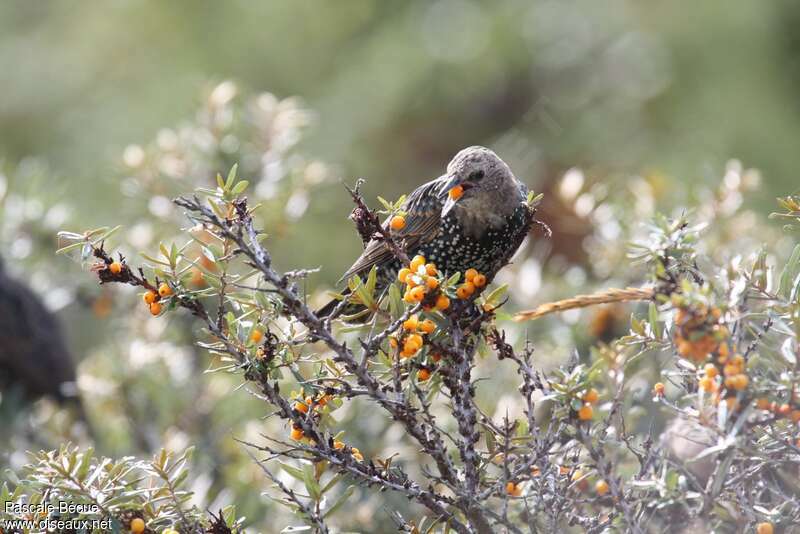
[590, 397]
[699, 332]
[153, 299]
[472, 280]
[421, 280]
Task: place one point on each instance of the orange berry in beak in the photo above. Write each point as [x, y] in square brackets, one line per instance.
[456, 192]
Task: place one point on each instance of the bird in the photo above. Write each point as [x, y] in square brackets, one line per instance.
[480, 229]
[34, 359]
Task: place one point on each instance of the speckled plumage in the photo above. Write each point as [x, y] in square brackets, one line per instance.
[481, 230]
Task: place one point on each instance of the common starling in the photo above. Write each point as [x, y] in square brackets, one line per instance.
[481, 229]
[33, 354]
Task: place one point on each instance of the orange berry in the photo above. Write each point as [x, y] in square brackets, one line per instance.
[515, 490]
[115, 267]
[149, 297]
[723, 350]
[393, 342]
[706, 384]
[730, 369]
[762, 404]
[431, 269]
[402, 274]
[428, 326]
[423, 375]
[794, 415]
[164, 290]
[408, 352]
[414, 340]
[479, 280]
[711, 370]
[442, 302]
[296, 433]
[465, 290]
[591, 396]
[338, 445]
[357, 454]
[470, 274]
[740, 381]
[436, 357]
[137, 525]
[256, 335]
[432, 282]
[398, 222]
[456, 192]
[411, 323]
[659, 388]
[155, 308]
[416, 294]
[601, 487]
[586, 412]
[417, 262]
[764, 528]
[300, 407]
[783, 409]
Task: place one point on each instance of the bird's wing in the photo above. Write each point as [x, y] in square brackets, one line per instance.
[423, 209]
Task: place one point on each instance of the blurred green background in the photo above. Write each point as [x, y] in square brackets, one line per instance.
[632, 93]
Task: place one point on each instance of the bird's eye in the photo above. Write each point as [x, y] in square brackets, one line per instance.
[475, 176]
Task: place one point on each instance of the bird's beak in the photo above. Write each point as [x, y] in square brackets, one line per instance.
[450, 202]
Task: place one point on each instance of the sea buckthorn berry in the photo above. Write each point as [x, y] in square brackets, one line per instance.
[428, 326]
[411, 323]
[456, 192]
[586, 412]
[416, 262]
[601, 487]
[164, 290]
[783, 409]
[430, 269]
[442, 302]
[740, 381]
[479, 280]
[706, 384]
[416, 294]
[436, 357]
[408, 352]
[115, 267]
[414, 340]
[465, 290]
[338, 445]
[137, 525]
[357, 454]
[256, 335]
[711, 370]
[794, 415]
[423, 375]
[393, 342]
[149, 297]
[402, 274]
[470, 274]
[764, 528]
[515, 490]
[432, 283]
[155, 308]
[398, 222]
[730, 369]
[659, 388]
[591, 396]
[762, 404]
[300, 407]
[297, 433]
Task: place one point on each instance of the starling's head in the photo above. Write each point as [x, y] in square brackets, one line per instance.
[478, 178]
